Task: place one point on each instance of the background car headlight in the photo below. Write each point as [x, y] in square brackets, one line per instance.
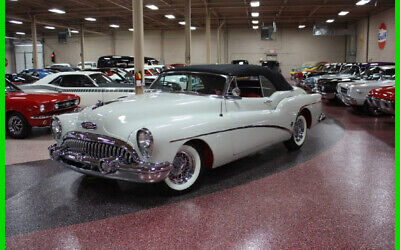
[41, 108]
[145, 142]
[56, 128]
[56, 106]
[77, 102]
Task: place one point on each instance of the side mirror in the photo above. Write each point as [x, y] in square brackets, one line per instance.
[236, 92]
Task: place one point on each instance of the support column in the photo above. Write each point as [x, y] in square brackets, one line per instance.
[139, 40]
[82, 47]
[113, 46]
[208, 36]
[188, 34]
[162, 47]
[219, 57]
[34, 43]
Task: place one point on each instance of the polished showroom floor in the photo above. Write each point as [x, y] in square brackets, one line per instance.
[336, 192]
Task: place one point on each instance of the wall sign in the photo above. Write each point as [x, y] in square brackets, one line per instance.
[382, 36]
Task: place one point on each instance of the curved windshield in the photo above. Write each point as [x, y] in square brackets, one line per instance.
[351, 70]
[200, 83]
[101, 79]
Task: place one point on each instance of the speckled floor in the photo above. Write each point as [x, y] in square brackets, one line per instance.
[336, 193]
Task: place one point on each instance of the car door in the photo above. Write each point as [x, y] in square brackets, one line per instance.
[252, 118]
[82, 86]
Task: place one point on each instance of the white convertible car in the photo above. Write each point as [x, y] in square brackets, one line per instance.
[191, 119]
[90, 86]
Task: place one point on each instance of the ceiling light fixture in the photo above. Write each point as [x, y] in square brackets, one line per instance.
[152, 7]
[255, 14]
[20, 33]
[343, 13]
[302, 26]
[90, 19]
[75, 31]
[254, 22]
[362, 2]
[330, 20]
[254, 3]
[15, 22]
[49, 27]
[170, 16]
[193, 28]
[115, 26]
[182, 23]
[131, 29]
[255, 27]
[57, 11]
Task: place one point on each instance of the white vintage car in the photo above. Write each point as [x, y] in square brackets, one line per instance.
[191, 119]
[90, 86]
[355, 93]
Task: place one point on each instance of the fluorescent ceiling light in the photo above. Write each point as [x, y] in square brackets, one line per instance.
[115, 26]
[193, 28]
[254, 22]
[330, 20]
[255, 27]
[13, 0]
[49, 27]
[182, 23]
[343, 13]
[57, 11]
[362, 2]
[255, 14]
[90, 19]
[131, 29]
[152, 7]
[20, 33]
[170, 16]
[15, 22]
[302, 26]
[75, 31]
[254, 3]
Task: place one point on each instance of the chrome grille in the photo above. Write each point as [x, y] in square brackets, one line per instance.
[66, 104]
[97, 149]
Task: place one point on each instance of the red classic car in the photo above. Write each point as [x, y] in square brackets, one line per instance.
[382, 99]
[24, 111]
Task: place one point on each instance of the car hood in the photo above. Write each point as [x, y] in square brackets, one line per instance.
[41, 98]
[120, 118]
[372, 85]
[387, 93]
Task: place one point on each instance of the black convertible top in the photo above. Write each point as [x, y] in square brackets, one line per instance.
[239, 70]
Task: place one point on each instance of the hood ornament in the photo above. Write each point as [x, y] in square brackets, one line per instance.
[89, 125]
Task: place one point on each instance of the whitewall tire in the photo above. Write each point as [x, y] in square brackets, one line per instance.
[187, 169]
[299, 133]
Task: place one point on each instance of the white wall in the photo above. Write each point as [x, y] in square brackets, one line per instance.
[375, 54]
[293, 46]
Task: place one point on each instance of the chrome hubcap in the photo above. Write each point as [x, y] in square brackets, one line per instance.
[299, 129]
[184, 167]
[15, 125]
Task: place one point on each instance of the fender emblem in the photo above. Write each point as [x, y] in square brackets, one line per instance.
[89, 125]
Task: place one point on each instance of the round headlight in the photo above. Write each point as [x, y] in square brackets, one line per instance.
[56, 106]
[77, 102]
[145, 142]
[41, 108]
[56, 128]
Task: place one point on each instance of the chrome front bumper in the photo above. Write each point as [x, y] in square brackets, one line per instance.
[110, 166]
[383, 105]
